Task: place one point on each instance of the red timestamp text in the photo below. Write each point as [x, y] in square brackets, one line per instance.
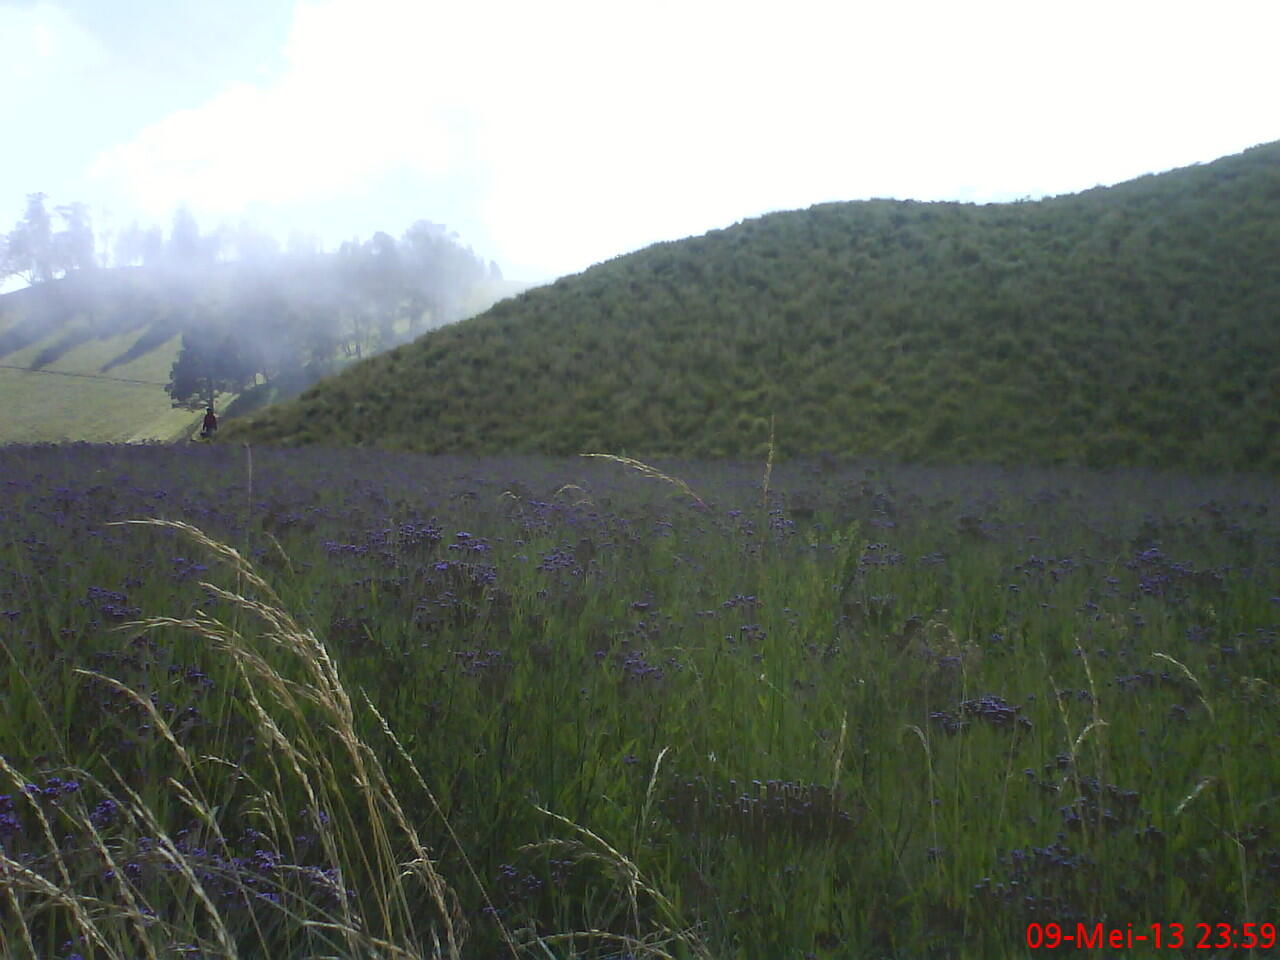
[1159, 936]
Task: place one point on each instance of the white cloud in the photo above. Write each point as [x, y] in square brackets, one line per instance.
[343, 114]
[40, 45]
[592, 128]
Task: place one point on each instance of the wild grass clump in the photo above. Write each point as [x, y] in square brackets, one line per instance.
[381, 705]
[360, 881]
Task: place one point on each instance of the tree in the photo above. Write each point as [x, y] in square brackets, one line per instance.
[128, 245]
[135, 245]
[186, 245]
[357, 308]
[439, 275]
[383, 284]
[34, 252]
[184, 238]
[266, 322]
[73, 245]
[152, 250]
[29, 250]
[316, 305]
[209, 363]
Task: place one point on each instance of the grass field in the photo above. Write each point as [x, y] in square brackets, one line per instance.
[555, 708]
[72, 399]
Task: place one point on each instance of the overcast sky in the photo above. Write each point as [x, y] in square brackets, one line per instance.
[552, 135]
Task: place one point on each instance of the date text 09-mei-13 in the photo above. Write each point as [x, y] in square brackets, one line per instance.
[1173, 936]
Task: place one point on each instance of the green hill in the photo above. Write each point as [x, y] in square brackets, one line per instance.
[1136, 324]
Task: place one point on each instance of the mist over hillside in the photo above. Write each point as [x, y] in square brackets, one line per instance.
[1136, 324]
[191, 319]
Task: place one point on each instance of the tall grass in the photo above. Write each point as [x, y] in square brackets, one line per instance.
[301, 710]
[549, 709]
[370, 900]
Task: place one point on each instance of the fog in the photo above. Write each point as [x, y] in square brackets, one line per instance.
[249, 309]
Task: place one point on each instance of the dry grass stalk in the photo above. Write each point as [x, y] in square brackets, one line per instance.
[768, 467]
[306, 756]
[651, 472]
[601, 851]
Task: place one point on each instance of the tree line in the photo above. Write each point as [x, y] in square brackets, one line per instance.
[35, 252]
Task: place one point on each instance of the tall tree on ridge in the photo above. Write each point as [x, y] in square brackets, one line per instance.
[74, 245]
[184, 237]
[30, 251]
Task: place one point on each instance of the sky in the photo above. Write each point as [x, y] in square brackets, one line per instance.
[553, 135]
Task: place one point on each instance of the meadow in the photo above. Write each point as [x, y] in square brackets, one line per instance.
[77, 396]
[364, 704]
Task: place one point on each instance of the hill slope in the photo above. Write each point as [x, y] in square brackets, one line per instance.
[87, 356]
[81, 366]
[1136, 324]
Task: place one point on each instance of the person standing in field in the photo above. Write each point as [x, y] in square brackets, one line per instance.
[210, 424]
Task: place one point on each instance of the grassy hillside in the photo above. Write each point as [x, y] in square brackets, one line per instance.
[1137, 324]
[66, 374]
[39, 406]
[87, 357]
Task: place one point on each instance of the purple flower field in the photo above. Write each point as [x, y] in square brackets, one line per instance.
[530, 707]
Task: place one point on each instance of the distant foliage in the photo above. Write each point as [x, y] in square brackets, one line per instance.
[1138, 324]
